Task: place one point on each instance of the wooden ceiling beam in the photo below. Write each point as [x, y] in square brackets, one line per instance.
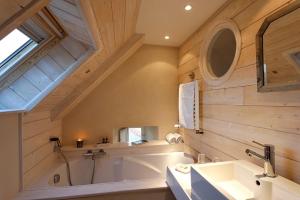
[16, 20]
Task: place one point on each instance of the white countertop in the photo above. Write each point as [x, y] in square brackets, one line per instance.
[282, 188]
[182, 187]
[184, 180]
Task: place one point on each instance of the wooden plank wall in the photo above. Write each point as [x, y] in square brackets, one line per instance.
[37, 126]
[233, 114]
[38, 155]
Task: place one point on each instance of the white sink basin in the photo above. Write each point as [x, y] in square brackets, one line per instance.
[238, 180]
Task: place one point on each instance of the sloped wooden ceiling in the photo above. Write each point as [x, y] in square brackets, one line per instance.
[23, 87]
[71, 18]
[101, 35]
[114, 21]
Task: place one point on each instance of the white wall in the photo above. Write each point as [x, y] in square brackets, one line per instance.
[9, 156]
[141, 92]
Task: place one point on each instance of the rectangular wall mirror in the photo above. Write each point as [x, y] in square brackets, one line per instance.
[134, 134]
[278, 51]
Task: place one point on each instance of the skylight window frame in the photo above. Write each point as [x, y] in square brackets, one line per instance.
[39, 28]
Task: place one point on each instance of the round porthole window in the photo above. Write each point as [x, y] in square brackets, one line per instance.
[220, 52]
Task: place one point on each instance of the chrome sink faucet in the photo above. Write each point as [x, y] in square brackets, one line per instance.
[268, 157]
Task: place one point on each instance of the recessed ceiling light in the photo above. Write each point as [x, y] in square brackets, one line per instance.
[167, 37]
[188, 7]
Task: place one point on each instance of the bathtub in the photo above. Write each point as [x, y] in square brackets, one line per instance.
[118, 168]
[112, 174]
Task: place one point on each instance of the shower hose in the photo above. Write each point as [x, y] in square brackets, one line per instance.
[67, 165]
[93, 170]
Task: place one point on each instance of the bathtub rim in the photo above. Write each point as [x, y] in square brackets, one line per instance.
[77, 191]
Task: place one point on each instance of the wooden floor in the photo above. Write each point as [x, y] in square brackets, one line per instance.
[233, 114]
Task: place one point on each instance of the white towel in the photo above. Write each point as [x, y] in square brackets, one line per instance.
[170, 138]
[174, 138]
[189, 105]
[178, 138]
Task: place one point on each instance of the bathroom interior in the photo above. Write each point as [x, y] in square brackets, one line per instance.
[150, 99]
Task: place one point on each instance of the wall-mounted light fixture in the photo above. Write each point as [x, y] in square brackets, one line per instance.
[188, 7]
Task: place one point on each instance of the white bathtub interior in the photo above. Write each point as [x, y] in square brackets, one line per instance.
[112, 168]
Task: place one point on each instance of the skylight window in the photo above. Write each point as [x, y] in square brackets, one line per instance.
[13, 48]
[11, 43]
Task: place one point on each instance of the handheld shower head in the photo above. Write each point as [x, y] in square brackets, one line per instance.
[55, 139]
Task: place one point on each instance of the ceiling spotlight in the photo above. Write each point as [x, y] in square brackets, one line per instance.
[188, 7]
[167, 37]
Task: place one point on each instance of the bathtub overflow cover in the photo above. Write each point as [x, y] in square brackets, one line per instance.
[56, 178]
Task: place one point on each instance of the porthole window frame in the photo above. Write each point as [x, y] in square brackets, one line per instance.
[220, 25]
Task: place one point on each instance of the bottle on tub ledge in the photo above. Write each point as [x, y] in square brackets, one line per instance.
[103, 142]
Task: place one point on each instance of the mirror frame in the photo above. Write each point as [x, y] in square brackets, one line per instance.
[261, 85]
[209, 38]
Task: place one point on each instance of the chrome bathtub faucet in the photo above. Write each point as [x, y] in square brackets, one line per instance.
[268, 157]
[94, 154]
